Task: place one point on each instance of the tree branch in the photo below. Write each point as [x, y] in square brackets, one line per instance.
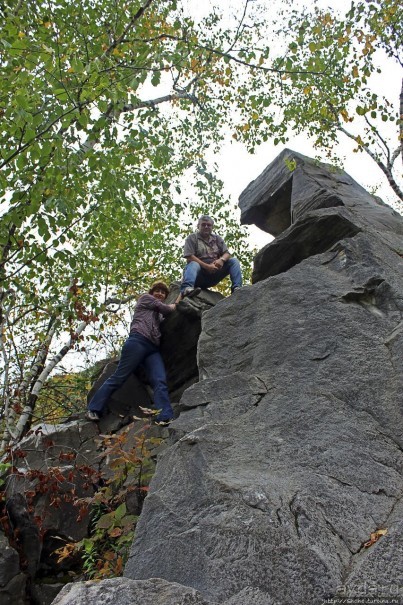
[387, 172]
[92, 140]
[128, 27]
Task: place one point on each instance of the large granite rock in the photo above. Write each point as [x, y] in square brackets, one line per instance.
[289, 451]
[122, 591]
[310, 206]
[294, 185]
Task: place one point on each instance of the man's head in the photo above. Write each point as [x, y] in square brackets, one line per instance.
[205, 225]
[159, 290]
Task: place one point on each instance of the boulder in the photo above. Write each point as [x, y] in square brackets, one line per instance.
[14, 592]
[9, 562]
[54, 465]
[180, 335]
[122, 591]
[288, 453]
[310, 206]
[294, 185]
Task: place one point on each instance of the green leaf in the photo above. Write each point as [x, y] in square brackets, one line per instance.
[120, 512]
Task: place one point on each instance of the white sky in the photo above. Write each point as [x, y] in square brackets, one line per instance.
[237, 167]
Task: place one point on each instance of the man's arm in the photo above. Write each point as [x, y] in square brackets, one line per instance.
[219, 263]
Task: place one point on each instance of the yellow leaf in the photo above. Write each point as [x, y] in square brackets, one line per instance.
[307, 90]
[21, 34]
[355, 71]
[344, 115]
[374, 537]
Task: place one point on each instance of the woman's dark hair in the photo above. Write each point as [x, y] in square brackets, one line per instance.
[159, 285]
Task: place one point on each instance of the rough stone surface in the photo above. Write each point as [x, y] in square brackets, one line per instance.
[56, 454]
[251, 596]
[289, 452]
[9, 562]
[49, 445]
[14, 591]
[324, 206]
[44, 594]
[294, 185]
[180, 334]
[122, 591]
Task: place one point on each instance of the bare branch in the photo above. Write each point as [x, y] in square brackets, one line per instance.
[383, 143]
[241, 21]
[385, 169]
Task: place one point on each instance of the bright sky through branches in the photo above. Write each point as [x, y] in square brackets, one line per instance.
[237, 167]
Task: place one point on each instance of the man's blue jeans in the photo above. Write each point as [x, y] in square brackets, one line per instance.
[137, 350]
[194, 276]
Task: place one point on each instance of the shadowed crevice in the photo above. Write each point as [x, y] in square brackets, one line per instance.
[308, 237]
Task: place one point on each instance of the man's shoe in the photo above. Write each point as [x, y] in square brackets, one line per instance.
[191, 292]
[236, 288]
[90, 415]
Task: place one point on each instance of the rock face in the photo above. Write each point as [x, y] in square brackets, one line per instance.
[289, 451]
[122, 591]
[309, 207]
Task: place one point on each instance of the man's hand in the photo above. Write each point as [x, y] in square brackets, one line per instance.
[219, 263]
[210, 268]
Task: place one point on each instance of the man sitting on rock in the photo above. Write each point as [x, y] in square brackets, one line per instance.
[208, 260]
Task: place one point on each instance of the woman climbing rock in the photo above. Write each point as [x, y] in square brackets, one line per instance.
[141, 347]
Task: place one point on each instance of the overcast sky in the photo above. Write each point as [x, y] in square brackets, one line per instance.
[237, 167]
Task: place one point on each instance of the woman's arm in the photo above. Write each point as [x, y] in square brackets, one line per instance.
[148, 301]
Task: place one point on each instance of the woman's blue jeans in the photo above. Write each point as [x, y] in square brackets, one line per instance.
[137, 350]
[194, 275]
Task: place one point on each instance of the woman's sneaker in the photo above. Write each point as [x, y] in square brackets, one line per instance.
[149, 411]
[162, 421]
[90, 415]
